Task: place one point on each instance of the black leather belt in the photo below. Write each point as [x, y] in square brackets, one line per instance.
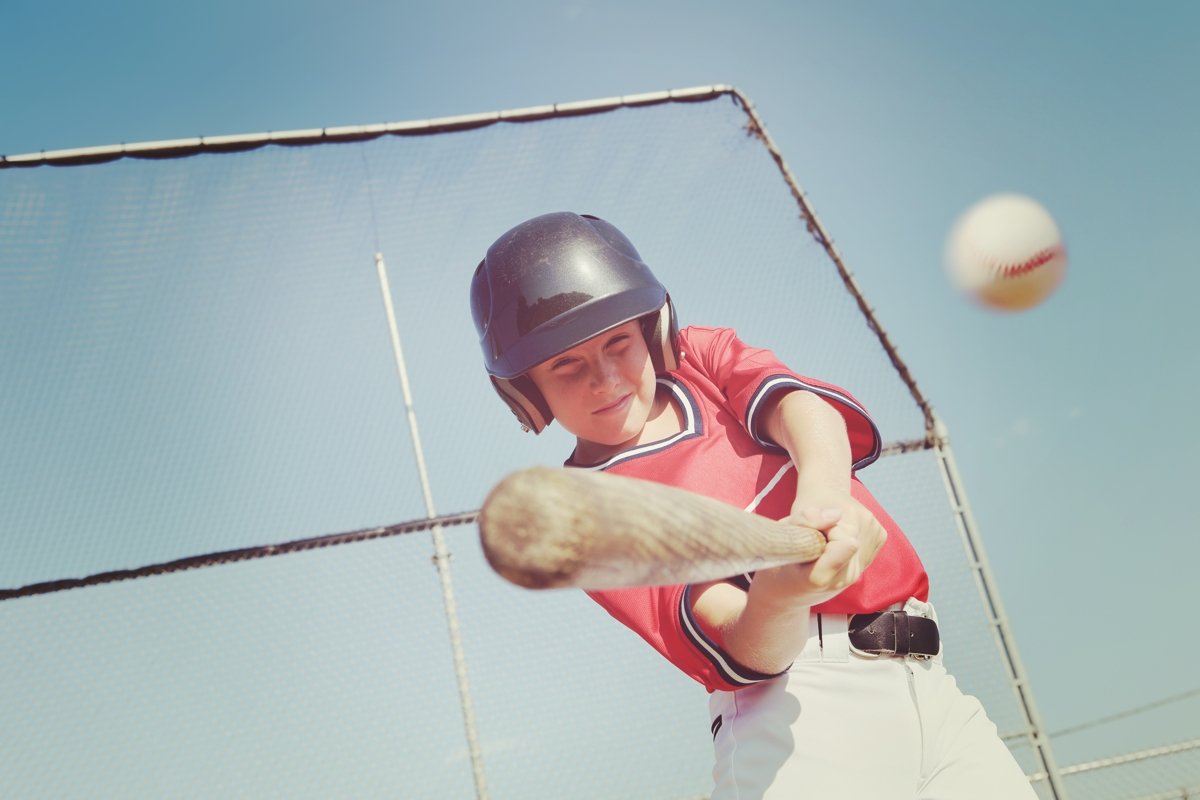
[894, 633]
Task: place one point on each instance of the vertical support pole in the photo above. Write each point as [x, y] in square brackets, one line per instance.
[441, 557]
[986, 583]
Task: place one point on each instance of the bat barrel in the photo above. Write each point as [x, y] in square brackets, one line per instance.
[546, 528]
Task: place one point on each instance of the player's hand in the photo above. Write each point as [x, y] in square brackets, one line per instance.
[765, 628]
[853, 537]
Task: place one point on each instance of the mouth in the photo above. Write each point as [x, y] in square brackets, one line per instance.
[620, 405]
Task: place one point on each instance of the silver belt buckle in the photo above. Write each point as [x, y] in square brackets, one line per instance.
[868, 654]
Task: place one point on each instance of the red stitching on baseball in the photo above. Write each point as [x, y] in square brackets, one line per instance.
[1039, 258]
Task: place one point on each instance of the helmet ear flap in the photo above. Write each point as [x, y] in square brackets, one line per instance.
[525, 401]
[662, 337]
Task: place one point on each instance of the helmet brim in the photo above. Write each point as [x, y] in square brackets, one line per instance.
[570, 330]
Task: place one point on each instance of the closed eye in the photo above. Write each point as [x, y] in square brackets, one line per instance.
[618, 340]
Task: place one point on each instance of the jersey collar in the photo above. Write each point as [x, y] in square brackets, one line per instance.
[692, 426]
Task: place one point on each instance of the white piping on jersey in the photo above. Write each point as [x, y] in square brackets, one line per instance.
[771, 384]
[762, 496]
[766, 490]
[689, 429]
[730, 671]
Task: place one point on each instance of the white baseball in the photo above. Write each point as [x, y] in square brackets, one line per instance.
[1006, 252]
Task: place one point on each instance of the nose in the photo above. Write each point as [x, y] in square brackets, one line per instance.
[604, 375]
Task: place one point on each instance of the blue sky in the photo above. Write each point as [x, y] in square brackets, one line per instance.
[1071, 423]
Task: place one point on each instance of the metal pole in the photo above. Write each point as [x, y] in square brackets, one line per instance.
[441, 557]
[985, 581]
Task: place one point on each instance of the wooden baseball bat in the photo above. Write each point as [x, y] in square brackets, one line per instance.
[547, 528]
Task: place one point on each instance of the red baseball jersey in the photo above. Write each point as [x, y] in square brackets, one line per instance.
[721, 385]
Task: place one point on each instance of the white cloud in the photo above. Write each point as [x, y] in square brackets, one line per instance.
[1019, 428]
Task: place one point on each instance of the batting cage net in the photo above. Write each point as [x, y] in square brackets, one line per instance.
[201, 384]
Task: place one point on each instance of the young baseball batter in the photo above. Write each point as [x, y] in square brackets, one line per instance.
[826, 679]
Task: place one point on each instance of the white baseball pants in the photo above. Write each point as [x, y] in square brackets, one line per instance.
[840, 725]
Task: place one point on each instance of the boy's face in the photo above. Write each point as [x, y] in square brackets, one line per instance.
[602, 390]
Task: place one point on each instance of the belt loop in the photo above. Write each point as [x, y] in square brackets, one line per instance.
[828, 639]
[812, 646]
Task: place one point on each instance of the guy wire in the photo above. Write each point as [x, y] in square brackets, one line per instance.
[241, 554]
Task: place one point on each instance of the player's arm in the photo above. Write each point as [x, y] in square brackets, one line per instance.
[814, 434]
[765, 627]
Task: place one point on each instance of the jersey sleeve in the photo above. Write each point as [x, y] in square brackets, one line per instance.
[662, 616]
[748, 376]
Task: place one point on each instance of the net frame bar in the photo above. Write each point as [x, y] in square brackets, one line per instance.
[985, 582]
[181, 148]
[441, 556]
[1128, 758]
[936, 435]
